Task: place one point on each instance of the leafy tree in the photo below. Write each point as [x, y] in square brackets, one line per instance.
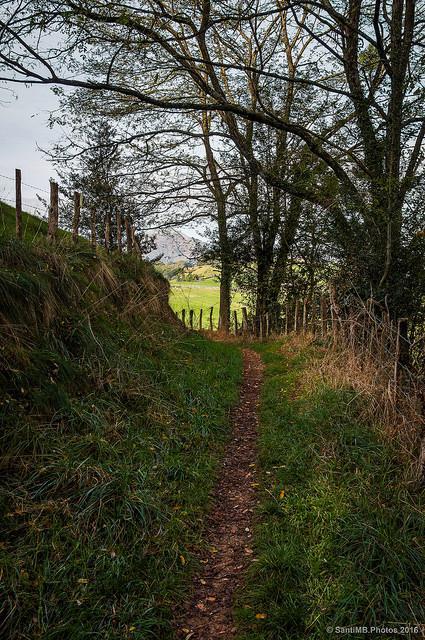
[362, 60]
[90, 161]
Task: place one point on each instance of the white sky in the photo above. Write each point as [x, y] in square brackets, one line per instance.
[24, 113]
[23, 127]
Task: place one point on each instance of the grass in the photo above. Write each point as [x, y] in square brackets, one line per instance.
[182, 271]
[32, 227]
[343, 544]
[113, 421]
[202, 294]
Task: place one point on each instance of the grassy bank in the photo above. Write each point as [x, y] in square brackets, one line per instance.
[112, 424]
[340, 534]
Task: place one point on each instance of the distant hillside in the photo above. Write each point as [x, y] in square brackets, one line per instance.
[181, 271]
[173, 246]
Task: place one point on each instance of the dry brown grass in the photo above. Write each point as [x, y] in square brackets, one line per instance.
[361, 353]
[396, 407]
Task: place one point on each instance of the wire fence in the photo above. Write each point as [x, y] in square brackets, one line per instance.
[34, 198]
[63, 211]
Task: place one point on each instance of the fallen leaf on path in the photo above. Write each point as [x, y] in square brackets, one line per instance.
[261, 616]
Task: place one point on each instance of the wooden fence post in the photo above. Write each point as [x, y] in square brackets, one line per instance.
[107, 238]
[372, 324]
[128, 238]
[287, 318]
[18, 203]
[93, 228]
[133, 239]
[296, 314]
[244, 320]
[399, 352]
[404, 351]
[119, 230]
[313, 307]
[191, 318]
[235, 320]
[323, 315]
[184, 317]
[275, 323]
[333, 320]
[76, 217]
[53, 220]
[200, 320]
[305, 315]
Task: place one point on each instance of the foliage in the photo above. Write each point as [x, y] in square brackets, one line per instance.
[229, 103]
[90, 161]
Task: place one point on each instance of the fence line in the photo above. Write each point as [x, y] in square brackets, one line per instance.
[365, 327]
[123, 223]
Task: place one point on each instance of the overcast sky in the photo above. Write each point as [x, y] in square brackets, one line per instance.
[23, 131]
[23, 127]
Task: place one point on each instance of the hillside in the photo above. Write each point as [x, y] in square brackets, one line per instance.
[182, 271]
[173, 246]
[112, 422]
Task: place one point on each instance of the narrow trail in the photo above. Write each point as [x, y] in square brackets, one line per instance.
[208, 615]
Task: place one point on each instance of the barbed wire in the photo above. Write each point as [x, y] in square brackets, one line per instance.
[31, 186]
[29, 203]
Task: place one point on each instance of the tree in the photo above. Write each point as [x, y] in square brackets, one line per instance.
[363, 58]
[94, 174]
[90, 162]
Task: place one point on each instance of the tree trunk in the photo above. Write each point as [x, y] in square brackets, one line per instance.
[225, 248]
[226, 268]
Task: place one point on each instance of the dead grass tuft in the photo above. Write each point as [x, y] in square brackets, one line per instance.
[395, 407]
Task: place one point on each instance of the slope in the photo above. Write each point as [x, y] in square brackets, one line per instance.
[113, 420]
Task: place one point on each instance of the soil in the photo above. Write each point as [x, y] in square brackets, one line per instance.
[208, 615]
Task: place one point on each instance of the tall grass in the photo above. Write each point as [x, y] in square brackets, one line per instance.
[340, 528]
[369, 354]
[113, 420]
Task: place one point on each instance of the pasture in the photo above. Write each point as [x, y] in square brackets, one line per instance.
[200, 294]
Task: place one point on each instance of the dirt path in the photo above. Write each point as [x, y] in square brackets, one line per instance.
[208, 615]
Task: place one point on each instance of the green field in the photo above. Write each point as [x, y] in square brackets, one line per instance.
[197, 295]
